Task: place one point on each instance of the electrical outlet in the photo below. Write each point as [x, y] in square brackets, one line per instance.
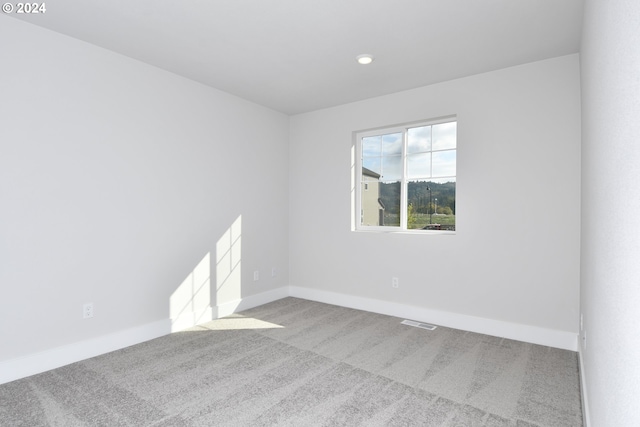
[584, 340]
[256, 276]
[395, 282]
[274, 272]
[87, 310]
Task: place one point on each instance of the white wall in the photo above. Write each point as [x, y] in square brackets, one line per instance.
[610, 264]
[116, 180]
[514, 262]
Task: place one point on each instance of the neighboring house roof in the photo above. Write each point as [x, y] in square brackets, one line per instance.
[370, 173]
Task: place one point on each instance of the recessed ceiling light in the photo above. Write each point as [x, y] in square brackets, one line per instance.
[364, 59]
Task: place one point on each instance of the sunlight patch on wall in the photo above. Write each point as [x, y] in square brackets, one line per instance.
[228, 264]
[190, 303]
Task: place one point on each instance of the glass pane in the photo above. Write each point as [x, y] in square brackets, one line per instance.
[418, 202]
[392, 144]
[370, 195]
[374, 164]
[390, 203]
[372, 146]
[444, 163]
[444, 136]
[419, 165]
[419, 139]
[392, 168]
[445, 204]
[431, 205]
[380, 202]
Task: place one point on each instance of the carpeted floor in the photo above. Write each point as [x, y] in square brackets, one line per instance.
[300, 363]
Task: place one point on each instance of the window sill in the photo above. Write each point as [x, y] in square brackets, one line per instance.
[415, 232]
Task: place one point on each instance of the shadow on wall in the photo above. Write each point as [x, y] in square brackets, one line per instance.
[191, 303]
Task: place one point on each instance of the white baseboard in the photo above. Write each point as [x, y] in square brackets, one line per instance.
[36, 363]
[21, 367]
[532, 334]
[192, 318]
[25, 366]
[251, 301]
[583, 392]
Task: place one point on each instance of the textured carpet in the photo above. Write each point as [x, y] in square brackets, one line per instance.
[301, 363]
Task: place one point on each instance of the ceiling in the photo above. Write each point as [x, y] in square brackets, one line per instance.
[296, 56]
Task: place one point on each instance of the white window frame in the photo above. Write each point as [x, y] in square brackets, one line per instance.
[403, 128]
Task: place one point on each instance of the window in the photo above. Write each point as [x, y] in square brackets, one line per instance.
[407, 177]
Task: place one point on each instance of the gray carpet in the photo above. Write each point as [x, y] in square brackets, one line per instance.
[300, 363]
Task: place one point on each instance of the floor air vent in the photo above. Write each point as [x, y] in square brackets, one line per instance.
[419, 325]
